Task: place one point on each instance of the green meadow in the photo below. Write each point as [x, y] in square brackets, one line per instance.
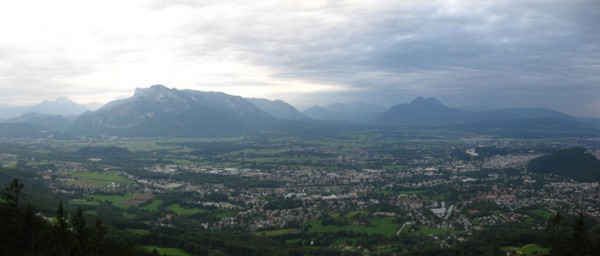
[384, 226]
[169, 251]
[97, 179]
[527, 250]
[176, 208]
[116, 200]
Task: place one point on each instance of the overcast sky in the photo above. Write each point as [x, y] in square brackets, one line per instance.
[469, 54]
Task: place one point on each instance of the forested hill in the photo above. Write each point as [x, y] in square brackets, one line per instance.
[574, 163]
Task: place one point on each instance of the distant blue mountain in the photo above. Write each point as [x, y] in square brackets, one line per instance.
[424, 111]
[23, 130]
[62, 106]
[50, 122]
[516, 113]
[431, 112]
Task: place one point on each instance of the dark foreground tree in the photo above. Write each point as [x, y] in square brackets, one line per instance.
[23, 232]
[572, 240]
[580, 243]
[555, 234]
[12, 193]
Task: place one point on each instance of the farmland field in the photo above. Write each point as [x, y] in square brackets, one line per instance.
[153, 206]
[116, 200]
[384, 226]
[138, 199]
[185, 211]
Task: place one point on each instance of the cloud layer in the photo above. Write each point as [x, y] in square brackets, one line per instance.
[470, 54]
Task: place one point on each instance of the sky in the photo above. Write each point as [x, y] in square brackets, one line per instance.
[469, 54]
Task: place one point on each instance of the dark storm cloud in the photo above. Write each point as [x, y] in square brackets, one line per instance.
[459, 51]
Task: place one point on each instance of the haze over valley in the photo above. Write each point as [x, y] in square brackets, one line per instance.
[300, 128]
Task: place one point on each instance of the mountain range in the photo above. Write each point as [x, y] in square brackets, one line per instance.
[62, 106]
[49, 122]
[431, 112]
[159, 111]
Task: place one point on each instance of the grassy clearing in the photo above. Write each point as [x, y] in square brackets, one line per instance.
[10, 165]
[541, 212]
[535, 249]
[527, 250]
[116, 200]
[406, 229]
[169, 251]
[384, 226]
[139, 199]
[131, 145]
[226, 214]
[97, 179]
[176, 208]
[39, 163]
[393, 167]
[354, 213]
[293, 241]
[153, 206]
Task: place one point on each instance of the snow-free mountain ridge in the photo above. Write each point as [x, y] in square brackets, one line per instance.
[159, 111]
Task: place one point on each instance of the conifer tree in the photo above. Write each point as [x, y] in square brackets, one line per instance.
[555, 234]
[12, 193]
[62, 228]
[580, 243]
[80, 231]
